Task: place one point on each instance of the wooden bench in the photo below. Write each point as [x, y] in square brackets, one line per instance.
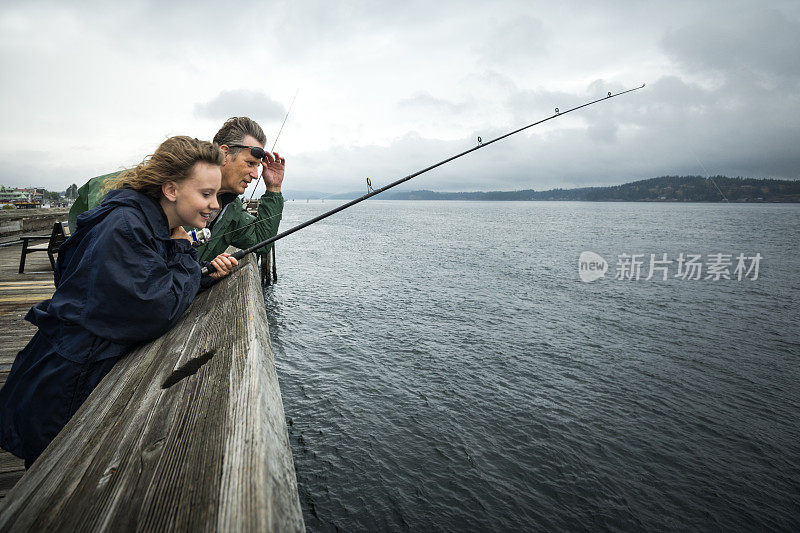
[57, 237]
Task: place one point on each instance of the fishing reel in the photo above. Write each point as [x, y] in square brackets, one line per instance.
[199, 236]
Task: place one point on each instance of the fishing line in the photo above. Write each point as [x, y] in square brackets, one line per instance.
[708, 174]
[260, 220]
[481, 144]
[240, 228]
[276, 138]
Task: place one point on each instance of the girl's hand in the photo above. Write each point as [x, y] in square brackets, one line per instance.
[180, 233]
[224, 265]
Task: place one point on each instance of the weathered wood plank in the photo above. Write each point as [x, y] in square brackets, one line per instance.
[18, 293]
[11, 469]
[208, 453]
[16, 222]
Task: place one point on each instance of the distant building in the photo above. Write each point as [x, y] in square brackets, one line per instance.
[21, 198]
[9, 195]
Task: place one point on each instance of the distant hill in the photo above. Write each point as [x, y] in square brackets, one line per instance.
[291, 194]
[662, 189]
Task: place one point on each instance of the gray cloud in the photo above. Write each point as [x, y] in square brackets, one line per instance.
[37, 168]
[670, 127]
[241, 102]
[429, 103]
[304, 28]
[514, 41]
[757, 42]
[388, 88]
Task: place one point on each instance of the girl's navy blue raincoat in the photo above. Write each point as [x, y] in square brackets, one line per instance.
[120, 280]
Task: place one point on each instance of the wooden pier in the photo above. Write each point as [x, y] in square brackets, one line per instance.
[186, 432]
[18, 293]
[15, 222]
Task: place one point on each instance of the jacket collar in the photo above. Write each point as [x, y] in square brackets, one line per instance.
[223, 200]
[154, 215]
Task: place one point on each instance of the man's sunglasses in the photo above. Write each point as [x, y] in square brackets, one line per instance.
[255, 151]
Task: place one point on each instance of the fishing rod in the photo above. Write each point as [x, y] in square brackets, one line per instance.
[241, 253]
[276, 138]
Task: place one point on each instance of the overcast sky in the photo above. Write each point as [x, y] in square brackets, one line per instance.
[387, 88]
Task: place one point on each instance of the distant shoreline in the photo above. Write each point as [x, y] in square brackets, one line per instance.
[681, 189]
[382, 198]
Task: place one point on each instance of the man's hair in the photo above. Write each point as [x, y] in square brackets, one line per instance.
[173, 160]
[234, 131]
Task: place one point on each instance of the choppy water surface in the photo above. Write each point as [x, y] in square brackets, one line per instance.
[444, 368]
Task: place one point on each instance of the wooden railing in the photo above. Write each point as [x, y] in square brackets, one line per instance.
[186, 433]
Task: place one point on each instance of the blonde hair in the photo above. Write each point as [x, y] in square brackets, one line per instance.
[173, 160]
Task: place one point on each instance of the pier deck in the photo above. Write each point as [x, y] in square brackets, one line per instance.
[16, 222]
[18, 293]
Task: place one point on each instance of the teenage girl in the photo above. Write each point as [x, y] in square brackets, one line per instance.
[125, 276]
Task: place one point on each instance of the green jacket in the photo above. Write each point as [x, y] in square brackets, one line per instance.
[234, 225]
[88, 197]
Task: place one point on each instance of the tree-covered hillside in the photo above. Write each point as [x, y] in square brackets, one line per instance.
[663, 189]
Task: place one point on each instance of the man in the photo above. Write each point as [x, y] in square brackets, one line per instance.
[243, 142]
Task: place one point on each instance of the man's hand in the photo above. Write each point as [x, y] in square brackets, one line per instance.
[223, 264]
[274, 167]
[180, 233]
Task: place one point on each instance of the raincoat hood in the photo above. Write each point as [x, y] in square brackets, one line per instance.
[154, 216]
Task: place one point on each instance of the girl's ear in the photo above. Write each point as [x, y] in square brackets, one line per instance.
[170, 190]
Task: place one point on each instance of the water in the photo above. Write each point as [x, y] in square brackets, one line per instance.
[444, 368]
